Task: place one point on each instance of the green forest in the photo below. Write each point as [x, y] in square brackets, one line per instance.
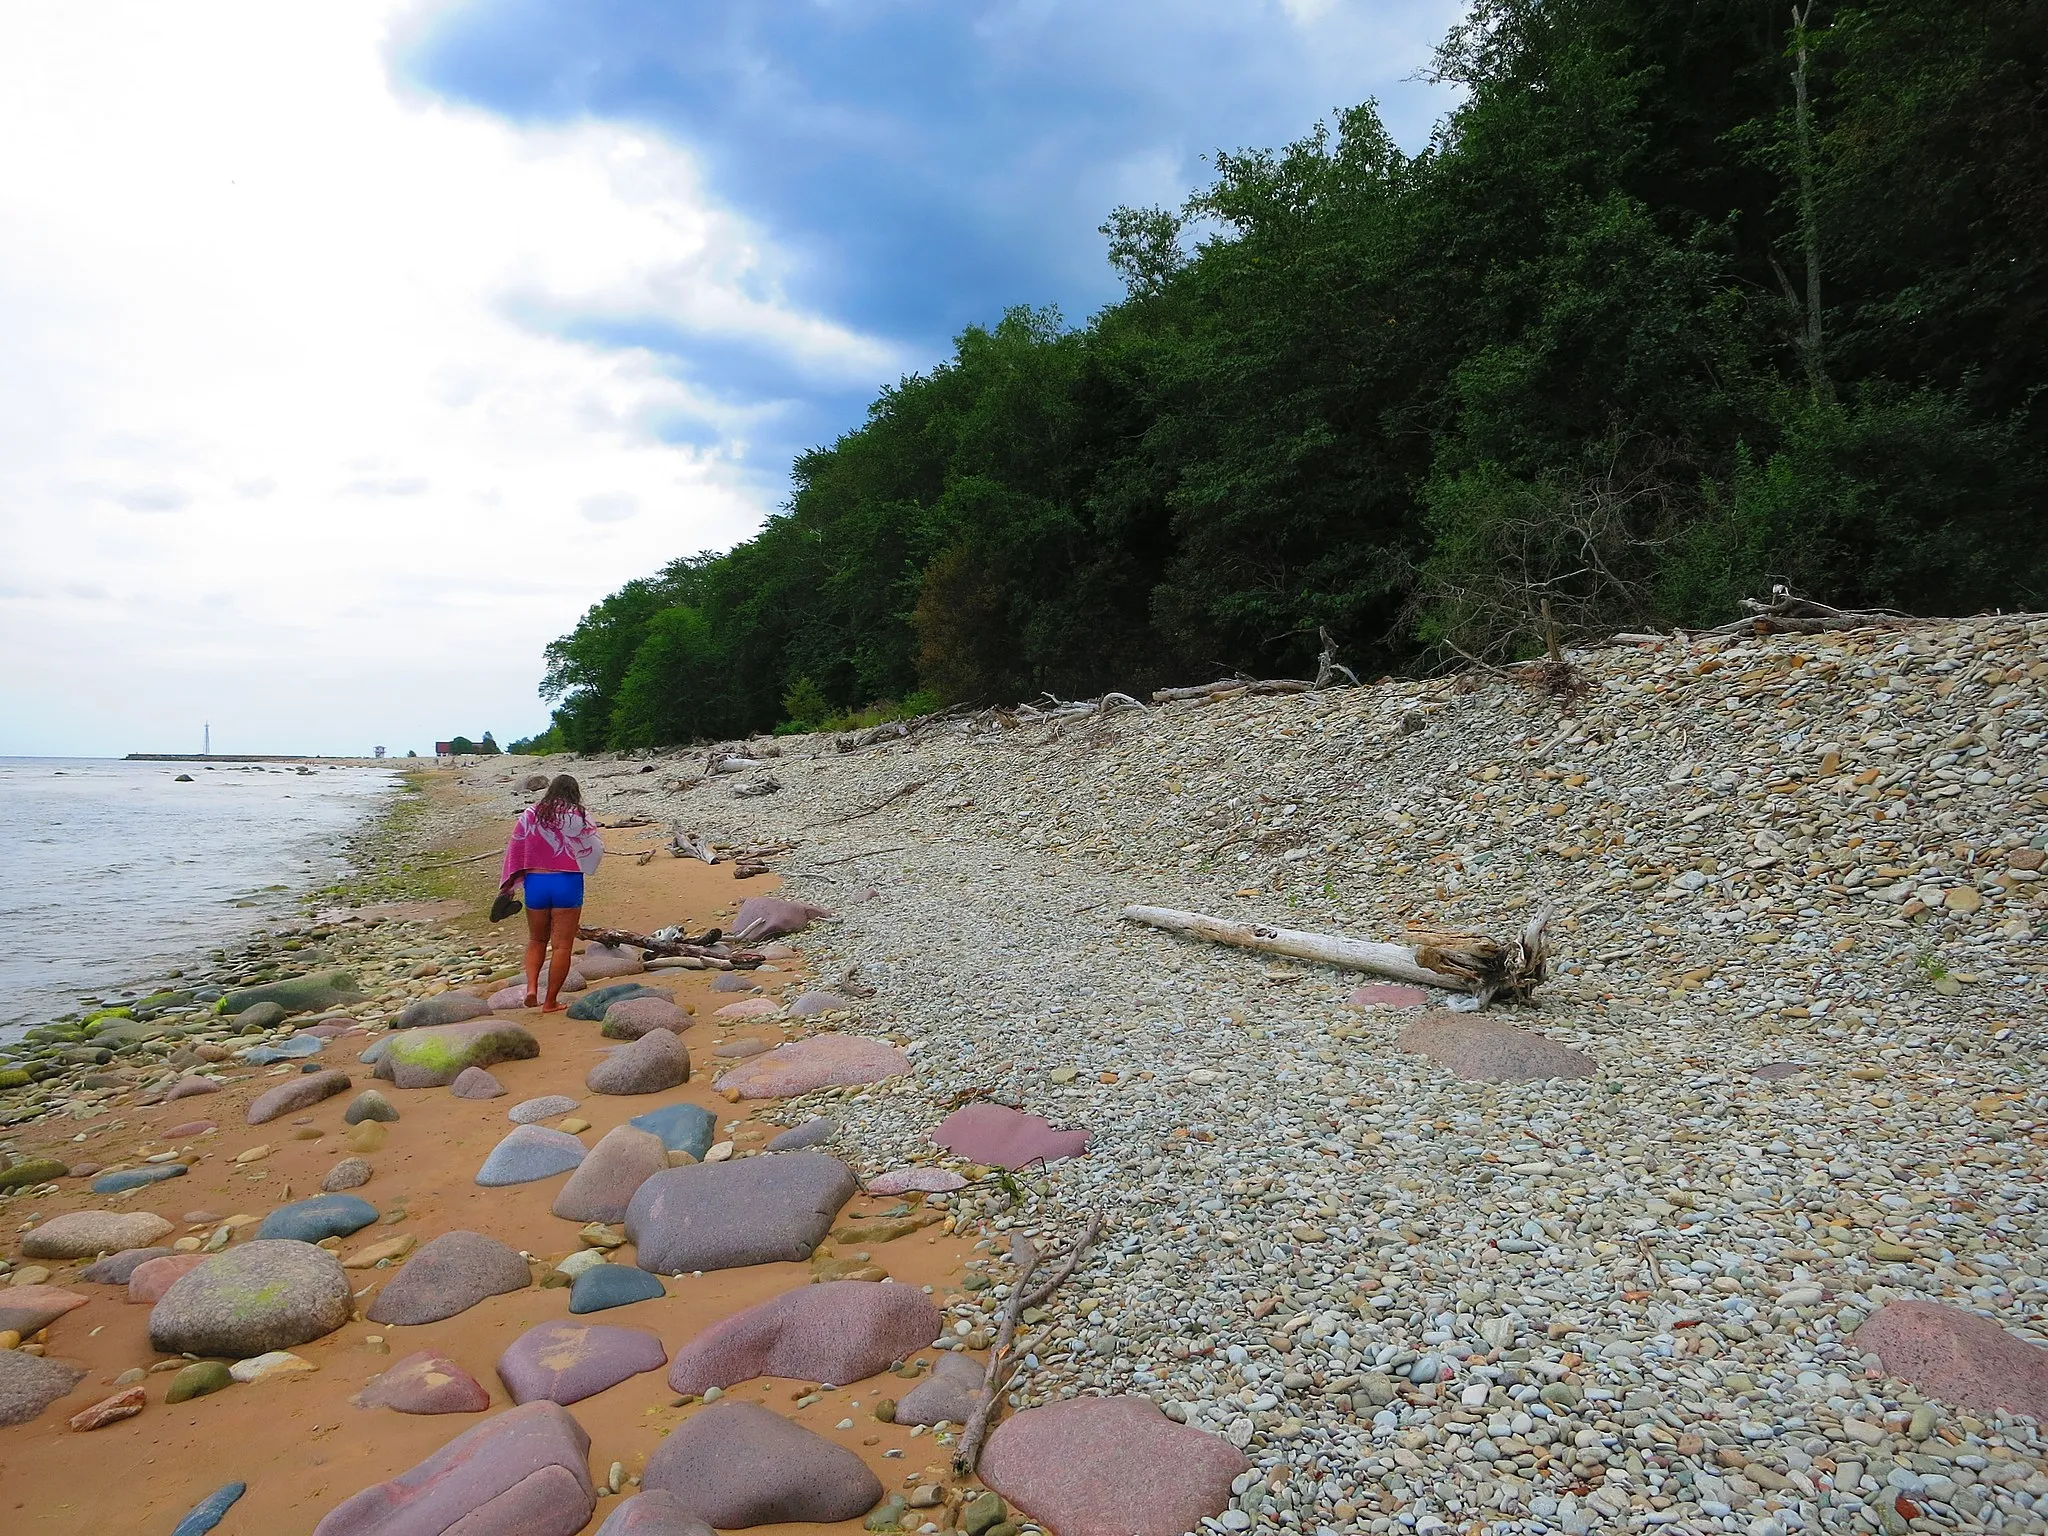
[1684, 300]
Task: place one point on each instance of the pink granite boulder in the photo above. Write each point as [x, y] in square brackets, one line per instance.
[948, 1396]
[28, 1309]
[739, 1464]
[296, 1093]
[425, 1382]
[147, 1285]
[770, 917]
[508, 999]
[1959, 1357]
[840, 1331]
[441, 1008]
[1110, 1466]
[749, 1008]
[601, 962]
[632, 1017]
[30, 1383]
[654, 1063]
[566, 1362]
[759, 1210]
[823, 1061]
[524, 1472]
[602, 1185]
[1477, 1050]
[449, 1274]
[1005, 1138]
[191, 1087]
[476, 1083]
[811, 1004]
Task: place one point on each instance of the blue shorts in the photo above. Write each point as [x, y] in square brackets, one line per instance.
[546, 889]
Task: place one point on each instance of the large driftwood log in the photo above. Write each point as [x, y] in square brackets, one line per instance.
[1001, 1355]
[620, 938]
[1488, 968]
[690, 845]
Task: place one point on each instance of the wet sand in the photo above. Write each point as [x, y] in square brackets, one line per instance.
[299, 1443]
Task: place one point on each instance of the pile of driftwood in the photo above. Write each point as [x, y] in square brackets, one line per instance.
[1490, 970]
[709, 949]
[1788, 613]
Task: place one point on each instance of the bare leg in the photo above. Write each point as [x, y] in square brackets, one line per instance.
[562, 950]
[536, 947]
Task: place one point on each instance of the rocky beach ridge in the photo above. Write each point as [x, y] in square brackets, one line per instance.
[1735, 1230]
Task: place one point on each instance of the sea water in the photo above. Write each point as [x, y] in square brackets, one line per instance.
[114, 871]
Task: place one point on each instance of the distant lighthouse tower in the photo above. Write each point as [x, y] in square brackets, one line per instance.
[207, 749]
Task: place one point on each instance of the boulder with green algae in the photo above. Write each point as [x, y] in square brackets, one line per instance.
[435, 1056]
[299, 994]
[15, 1077]
[33, 1170]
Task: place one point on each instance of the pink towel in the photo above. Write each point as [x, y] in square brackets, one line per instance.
[569, 846]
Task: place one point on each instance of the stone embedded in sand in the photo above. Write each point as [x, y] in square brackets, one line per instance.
[811, 1004]
[567, 1362]
[370, 1136]
[136, 1178]
[202, 1378]
[749, 1008]
[603, 1183]
[27, 1309]
[930, 1181]
[147, 1285]
[592, 1005]
[604, 1286]
[111, 1410]
[450, 1274]
[301, 994]
[546, 1107]
[87, 1234]
[1005, 1138]
[681, 1127]
[1387, 994]
[1774, 1071]
[632, 1017]
[260, 1016]
[368, 1105]
[441, 1008]
[295, 1049]
[654, 1514]
[823, 1061]
[738, 1050]
[434, 1057]
[1479, 1050]
[601, 961]
[810, 1134]
[840, 1331]
[265, 1295]
[761, 1210]
[425, 1382]
[506, 999]
[476, 1083]
[191, 1087]
[734, 981]
[530, 1152]
[318, 1217]
[349, 1173]
[116, 1268]
[739, 1464]
[1110, 1466]
[30, 1383]
[1957, 1356]
[950, 1394]
[524, 1472]
[770, 917]
[296, 1093]
[654, 1063]
[271, 1365]
[210, 1511]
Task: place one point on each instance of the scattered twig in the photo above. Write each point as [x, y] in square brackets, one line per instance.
[474, 858]
[849, 858]
[1461, 962]
[1650, 1258]
[996, 1378]
[882, 804]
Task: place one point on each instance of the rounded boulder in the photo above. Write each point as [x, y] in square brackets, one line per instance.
[265, 1295]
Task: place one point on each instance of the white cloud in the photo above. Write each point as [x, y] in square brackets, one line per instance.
[275, 395]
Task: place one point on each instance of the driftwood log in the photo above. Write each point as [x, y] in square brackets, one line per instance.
[709, 948]
[690, 845]
[1489, 969]
[1002, 1355]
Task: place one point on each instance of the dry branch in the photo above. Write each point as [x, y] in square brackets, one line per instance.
[996, 1379]
[690, 845]
[474, 858]
[713, 950]
[882, 804]
[1487, 968]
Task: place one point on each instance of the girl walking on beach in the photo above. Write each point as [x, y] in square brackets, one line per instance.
[553, 846]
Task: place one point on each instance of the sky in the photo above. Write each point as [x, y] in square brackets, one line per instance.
[351, 351]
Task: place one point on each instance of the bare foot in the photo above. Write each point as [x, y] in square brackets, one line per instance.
[554, 1008]
[532, 1001]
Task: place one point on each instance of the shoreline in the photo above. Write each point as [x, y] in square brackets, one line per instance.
[298, 1443]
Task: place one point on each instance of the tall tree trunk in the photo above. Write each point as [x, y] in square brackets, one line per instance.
[1809, 218]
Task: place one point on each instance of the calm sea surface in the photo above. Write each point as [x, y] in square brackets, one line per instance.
[115, 871]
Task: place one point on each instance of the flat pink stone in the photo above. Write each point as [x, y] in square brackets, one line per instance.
[1006, 1138]
[1959, 1357]
[823, 1061]
[1110, 1466]
[930, 1181]
[750, 1008]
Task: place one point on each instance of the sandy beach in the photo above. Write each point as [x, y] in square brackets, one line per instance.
[298, 1443]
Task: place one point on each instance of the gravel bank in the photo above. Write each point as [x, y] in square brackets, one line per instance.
[1622, 1302]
